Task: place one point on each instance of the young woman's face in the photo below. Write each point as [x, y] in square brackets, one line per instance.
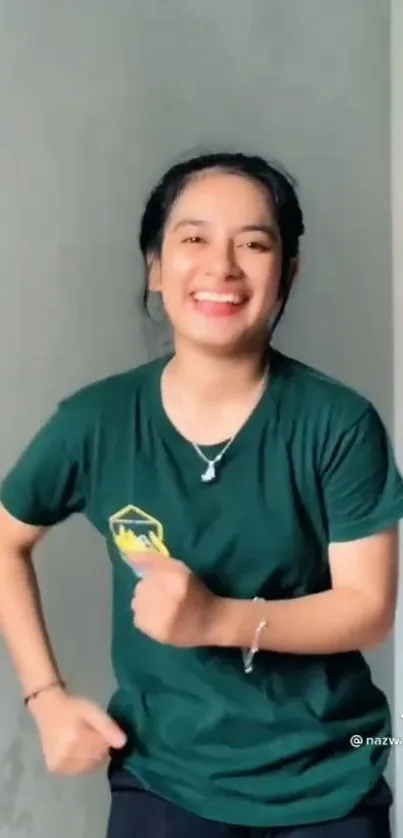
[220, 264]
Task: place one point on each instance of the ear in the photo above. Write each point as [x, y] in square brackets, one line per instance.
[293, 271]
[154, 274]
[294, 268]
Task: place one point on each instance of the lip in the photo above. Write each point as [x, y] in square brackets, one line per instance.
[217, 308]
[243, 297]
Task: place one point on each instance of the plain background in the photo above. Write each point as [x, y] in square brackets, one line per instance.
[96, 100]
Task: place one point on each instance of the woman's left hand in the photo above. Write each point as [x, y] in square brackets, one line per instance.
[171, 605]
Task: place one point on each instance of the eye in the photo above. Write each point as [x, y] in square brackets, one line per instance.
[193, 240]
[261, 247]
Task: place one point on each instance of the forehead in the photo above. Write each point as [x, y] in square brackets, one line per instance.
[216, 195]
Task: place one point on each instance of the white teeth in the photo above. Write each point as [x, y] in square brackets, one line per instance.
[212, 297]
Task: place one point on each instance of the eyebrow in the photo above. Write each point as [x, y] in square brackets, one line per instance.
[268, 229]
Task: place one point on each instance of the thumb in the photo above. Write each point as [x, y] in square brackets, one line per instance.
[101, 722]
[150, 560]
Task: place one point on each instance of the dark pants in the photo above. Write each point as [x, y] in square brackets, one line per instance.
[136, 813]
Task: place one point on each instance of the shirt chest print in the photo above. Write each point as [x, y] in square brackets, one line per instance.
[135, 531]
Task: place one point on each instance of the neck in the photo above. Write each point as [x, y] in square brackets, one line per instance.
[217, 379]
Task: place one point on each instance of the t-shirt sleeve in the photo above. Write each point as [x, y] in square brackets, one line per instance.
[47, 484]
[363, 489]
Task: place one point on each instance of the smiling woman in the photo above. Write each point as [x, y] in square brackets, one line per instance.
[219, 277]
[253, 504]
[231, 226]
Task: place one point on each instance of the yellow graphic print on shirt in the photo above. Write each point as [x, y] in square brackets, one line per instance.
[135, 531]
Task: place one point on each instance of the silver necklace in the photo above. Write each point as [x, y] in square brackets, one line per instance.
[209, 474]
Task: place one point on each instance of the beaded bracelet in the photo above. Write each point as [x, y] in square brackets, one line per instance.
[249, 654]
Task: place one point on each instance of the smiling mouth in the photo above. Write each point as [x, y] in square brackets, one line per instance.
[218, 305]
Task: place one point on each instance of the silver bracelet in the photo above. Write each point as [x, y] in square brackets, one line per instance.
[249, 654]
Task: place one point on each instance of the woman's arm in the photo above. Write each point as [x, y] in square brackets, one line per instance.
[172, 606]
[76, 734]
[357, 613]
[21, 618]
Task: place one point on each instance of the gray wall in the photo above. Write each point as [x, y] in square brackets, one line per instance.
[95, 99]
[397, 208]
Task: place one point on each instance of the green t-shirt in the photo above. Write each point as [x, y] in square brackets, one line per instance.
[312, 465]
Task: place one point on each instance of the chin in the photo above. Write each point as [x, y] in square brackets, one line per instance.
[221, 344]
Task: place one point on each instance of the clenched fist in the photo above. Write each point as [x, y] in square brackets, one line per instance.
[76, 734]
[171, 605]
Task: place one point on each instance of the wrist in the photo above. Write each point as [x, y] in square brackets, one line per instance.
[45, 697]
[236, 622]
[233, 623]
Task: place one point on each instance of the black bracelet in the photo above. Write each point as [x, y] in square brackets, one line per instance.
[57, 683]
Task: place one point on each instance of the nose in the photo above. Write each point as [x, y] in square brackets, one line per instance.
[222, 263]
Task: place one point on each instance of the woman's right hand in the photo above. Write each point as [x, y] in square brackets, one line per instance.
[76, 734]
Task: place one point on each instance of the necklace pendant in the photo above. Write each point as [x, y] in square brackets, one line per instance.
[209, 475]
